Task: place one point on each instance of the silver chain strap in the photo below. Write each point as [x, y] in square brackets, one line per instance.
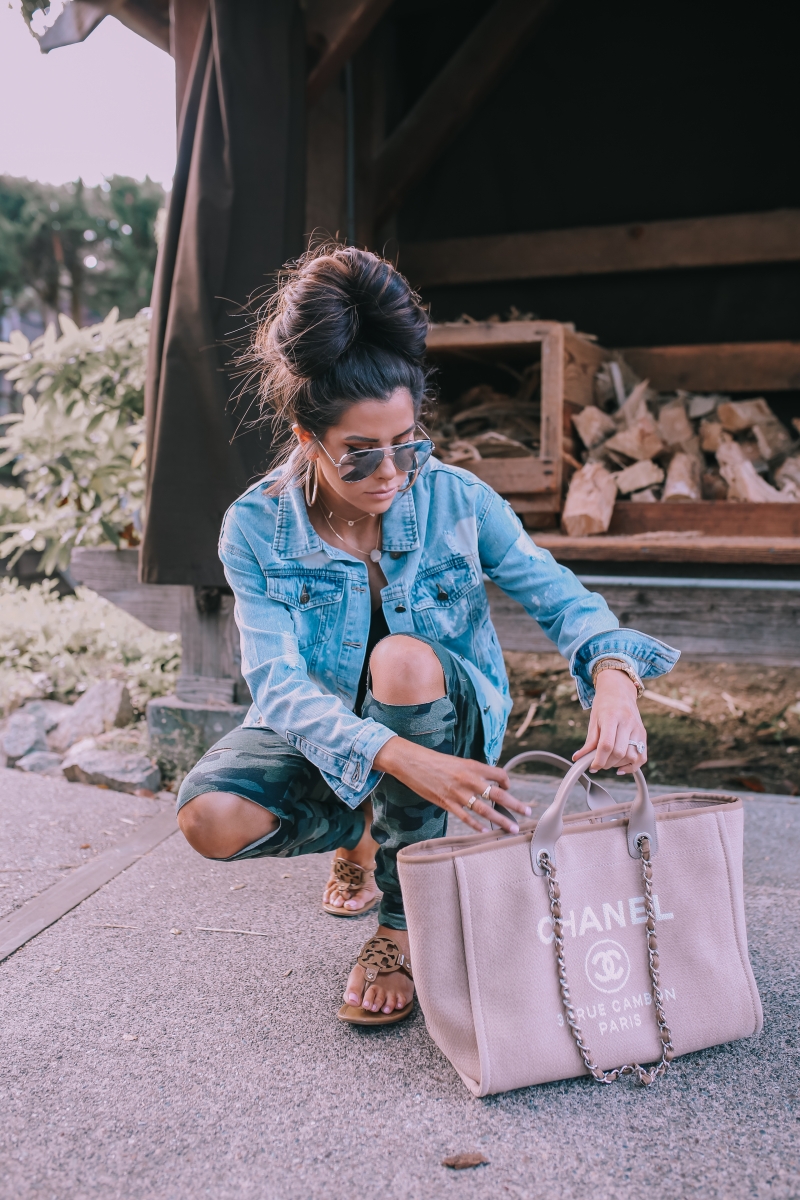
[643, 1074]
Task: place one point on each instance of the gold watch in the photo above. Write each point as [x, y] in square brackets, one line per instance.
[618, 664]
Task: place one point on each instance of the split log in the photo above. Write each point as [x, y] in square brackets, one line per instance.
[703, 406]
[459, 452]
[789, 472]
[590, 501]
[744, 482]
[646, 496]
[673, 424]
[642, 474]
[641, 440]
[738, 415]
[492, 444]
[635, 406]
[683, 478]
[772, 438]
[593, 425]
[710, 436]
[713, 486]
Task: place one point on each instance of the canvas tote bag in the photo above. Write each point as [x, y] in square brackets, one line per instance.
[588, 943]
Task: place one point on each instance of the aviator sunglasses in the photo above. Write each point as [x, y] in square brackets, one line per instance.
[356, 465]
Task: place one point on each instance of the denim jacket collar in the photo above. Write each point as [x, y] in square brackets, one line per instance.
[296, 537]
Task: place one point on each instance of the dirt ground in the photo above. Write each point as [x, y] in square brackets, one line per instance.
[742, 733]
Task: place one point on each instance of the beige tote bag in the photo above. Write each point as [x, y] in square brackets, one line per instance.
[586, 944]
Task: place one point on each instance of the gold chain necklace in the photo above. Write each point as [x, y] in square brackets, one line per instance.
[374, 555]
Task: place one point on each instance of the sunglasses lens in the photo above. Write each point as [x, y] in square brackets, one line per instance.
[358, 465]
[412, 456]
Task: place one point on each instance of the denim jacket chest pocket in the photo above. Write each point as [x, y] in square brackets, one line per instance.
[443, 597]
[312, 597]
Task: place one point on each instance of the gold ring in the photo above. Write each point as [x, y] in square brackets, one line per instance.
[486, 790]
[471, 801]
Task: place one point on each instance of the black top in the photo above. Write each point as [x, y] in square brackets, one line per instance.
[378, 629]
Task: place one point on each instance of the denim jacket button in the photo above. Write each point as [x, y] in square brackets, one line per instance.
[400, 608]
[395, 554]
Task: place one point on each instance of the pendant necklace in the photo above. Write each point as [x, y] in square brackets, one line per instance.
[374, 555]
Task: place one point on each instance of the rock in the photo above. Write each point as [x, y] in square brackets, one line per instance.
[683, 478]
[674, 426]
[642, 474]
[593, 426]
[641, 440]
[23, 735]
[590, 501]
[738, 415]
[42, 762]
[105, 705]
[107, 768]
[744, 482]
[47, 712]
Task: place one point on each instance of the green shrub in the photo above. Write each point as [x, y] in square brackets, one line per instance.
[55, 648]
[77, 445]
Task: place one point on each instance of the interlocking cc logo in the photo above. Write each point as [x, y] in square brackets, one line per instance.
[607, 966]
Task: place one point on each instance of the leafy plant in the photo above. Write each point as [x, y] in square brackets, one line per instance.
[56, 648]
[78, 443]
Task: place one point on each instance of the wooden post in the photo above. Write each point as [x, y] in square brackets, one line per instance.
[211, 662]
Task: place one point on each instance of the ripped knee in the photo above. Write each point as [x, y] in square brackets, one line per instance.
[405, 671]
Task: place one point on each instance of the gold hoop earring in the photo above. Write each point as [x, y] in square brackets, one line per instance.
[311, 492]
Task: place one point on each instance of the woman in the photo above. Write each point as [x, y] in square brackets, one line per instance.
[380, 699]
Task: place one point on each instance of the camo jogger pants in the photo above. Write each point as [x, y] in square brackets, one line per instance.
[259, 765]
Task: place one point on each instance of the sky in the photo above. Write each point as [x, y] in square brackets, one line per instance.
[104, 107]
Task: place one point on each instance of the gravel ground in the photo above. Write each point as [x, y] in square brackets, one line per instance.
[48, 827]
[147, 1062]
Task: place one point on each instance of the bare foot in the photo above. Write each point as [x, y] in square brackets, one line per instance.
[389, 992]
[337, 894]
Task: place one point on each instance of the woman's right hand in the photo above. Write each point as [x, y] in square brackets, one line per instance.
[450, 782]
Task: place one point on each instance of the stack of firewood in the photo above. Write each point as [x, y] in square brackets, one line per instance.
[651, 448]
[484, 423]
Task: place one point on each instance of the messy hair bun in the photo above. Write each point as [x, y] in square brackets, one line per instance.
[343, 325]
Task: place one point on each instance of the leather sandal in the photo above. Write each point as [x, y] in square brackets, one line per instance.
[378, 956]
[350, 878]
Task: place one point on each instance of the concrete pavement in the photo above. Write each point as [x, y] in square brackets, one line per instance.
[140, 1062]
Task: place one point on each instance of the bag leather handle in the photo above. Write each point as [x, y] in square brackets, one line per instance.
[596, 794]
[641, 818]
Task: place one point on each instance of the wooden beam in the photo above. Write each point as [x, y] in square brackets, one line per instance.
[674, 547]
[607, 249]
[707, 620]
[719, 518]
[452, 98]
[339, 28]
[724, 367]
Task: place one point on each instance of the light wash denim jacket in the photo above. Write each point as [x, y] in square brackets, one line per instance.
[303, 611]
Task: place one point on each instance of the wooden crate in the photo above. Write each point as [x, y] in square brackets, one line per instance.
[568, 365]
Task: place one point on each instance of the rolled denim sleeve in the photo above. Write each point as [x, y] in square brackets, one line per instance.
[578, 621]
[317, 724]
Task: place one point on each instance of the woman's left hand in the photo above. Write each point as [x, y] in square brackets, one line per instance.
[615, 725]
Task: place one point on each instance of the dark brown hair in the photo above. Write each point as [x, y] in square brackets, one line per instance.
[343, 325]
